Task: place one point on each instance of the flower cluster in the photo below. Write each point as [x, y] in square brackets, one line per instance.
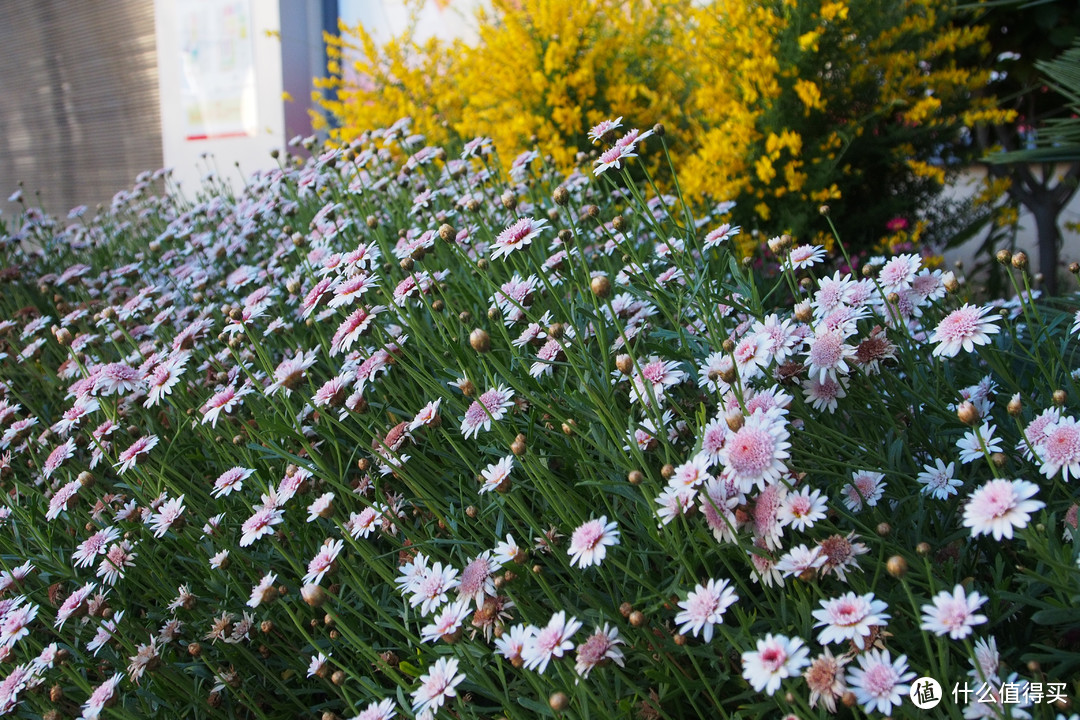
[387, 434]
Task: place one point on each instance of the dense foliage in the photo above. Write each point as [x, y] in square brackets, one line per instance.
[390, 432]
[777, 105]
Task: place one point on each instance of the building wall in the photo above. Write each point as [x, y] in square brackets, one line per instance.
[79, 113]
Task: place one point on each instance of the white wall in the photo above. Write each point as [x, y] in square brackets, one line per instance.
[967, 184]
[187, 156]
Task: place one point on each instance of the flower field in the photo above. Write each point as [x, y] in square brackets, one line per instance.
[394, 432]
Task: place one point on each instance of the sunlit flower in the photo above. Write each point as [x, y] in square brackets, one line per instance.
[1001, 506]
[963, 329]
[776, 657]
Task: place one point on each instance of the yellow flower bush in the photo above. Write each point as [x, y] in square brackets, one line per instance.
[779, 105]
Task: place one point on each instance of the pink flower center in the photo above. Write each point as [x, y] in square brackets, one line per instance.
[750, 452]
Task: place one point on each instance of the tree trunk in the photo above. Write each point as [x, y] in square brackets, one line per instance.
[1046, 214]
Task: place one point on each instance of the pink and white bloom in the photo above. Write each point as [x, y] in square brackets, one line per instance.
[953, 614]
[704, 607]
[491, 406]
[1059, 449]
[963, 329]
[518, 235]
[880, 683]
[230, 481]
[549, 642]
[775, 658]
[134, 453]
[590, 541]
[323, 561]
[755, 454]
[849, 617]
[802, 509]
[1001, 506]
[436, 685]
[600, 648]
[865, 489]
[168, 513]
[939, 480]
[381, 710]
[497, 475]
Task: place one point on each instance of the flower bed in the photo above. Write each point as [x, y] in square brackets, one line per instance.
[389, 433]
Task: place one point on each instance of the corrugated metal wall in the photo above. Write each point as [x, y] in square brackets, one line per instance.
[79, 116]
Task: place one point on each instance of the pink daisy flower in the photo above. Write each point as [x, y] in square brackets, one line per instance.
[1000, 506]
[491, 406]
[849, 617]
[602, 128]
[613, 158]
[939, 480]
[446, 623]
[166, 516]
[755, 454]
[879, 683]
[517, 235]
[260, 524]
[802, 509]
[381, 710]
[135, 452]
[655, 377]
[497, 475]
[953, 614]
[428, 415]
[721, 234]
[549, 642]
[704, 607]
[230, 481]
[103, 695]
[436, 685]
[57, 457]
[512, 644]
[776, 657]
[264, 591]
[590, 541]
[805, 256]
[865, 489]
[355, 326]
[323, 561]
[963, 329]
[1060, 449]
[828, 355]
[223, 401]
[601, 648]
[476, 581]
[58, 503]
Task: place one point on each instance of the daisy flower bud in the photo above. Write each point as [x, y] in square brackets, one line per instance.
[480, 340]
[561, 196]
[601, 286]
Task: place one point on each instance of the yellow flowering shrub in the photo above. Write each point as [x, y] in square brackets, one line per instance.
[779, 105]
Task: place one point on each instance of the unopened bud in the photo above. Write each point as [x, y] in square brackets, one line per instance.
[897, 566]
[446, 233]
[625, 364]
[1020, 260]
[1015, 406]
[508, 200]
[968, 413]
[561, 196]
[601, 286]
[1003, 256]
[1060, 397]
[480, 340]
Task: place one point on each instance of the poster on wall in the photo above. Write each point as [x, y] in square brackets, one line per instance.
[217, 68]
